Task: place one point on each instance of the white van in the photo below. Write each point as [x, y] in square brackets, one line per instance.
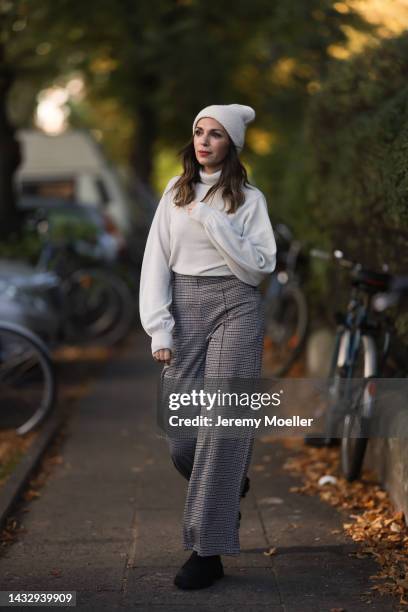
[71, 166]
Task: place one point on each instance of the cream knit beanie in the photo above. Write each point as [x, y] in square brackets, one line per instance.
[233, 117]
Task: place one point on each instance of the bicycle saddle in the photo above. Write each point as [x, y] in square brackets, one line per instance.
[370, 280]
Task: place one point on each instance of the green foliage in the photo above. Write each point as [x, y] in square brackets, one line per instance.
[66, 228]
[27, 247]
[358, 137]
[354, 157]
[62, 228]
[161, 62]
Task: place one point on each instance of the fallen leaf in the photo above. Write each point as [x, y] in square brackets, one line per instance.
[375, 523]
[270, 552]
[31, 494]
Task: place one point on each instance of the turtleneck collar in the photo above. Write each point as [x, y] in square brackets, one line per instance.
[209, 179]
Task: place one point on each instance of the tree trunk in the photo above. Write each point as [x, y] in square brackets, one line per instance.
[141, 157]
[10, 158]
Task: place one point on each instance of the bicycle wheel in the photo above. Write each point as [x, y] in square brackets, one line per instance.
[286, 321]
[353, 446]
[356, 424]
[335, 395]
[100, 307]
[27, 379]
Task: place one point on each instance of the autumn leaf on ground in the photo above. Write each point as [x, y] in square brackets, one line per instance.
[270, 552]
[31, 494]
[376, 524]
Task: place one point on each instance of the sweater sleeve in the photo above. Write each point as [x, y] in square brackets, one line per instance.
[155, 291]
[250, 256]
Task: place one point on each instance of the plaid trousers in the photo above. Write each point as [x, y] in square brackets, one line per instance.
[218, 333]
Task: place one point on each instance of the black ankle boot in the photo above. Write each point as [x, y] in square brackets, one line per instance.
[199, 572]
[244, 492]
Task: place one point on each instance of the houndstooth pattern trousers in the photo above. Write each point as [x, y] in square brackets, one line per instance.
[219, 331]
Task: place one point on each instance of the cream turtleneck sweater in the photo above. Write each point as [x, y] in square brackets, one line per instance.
[205, 242]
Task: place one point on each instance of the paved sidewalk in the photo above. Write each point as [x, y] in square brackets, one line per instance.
[109, 519]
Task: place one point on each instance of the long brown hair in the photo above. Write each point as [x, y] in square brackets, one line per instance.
[233, 177]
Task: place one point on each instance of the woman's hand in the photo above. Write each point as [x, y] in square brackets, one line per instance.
[162, 355]
[190, 206]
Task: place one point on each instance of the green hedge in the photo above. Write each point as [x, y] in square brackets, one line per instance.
[62, 227]
[347, 180]
[357, 131]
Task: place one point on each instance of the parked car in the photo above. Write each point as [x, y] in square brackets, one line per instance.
[71, 167]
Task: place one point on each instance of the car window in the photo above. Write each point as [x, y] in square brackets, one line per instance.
[63, 188]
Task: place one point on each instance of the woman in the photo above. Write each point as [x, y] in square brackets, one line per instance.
[210, 245]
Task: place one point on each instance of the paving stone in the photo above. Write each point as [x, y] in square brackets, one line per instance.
[154, 586]
[108, 522]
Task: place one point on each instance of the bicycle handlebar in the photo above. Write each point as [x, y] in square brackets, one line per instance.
[318, 253]
[336, 255]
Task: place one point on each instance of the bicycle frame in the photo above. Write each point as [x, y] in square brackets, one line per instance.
[352, 334]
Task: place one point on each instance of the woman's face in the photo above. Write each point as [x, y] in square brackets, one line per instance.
[211, 144]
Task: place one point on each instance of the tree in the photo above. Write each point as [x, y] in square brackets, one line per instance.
[162, 61]
[25, 27]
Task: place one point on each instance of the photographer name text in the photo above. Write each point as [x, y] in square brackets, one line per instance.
[267, 421]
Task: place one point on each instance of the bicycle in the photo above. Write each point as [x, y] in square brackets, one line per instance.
[97, 305]
[356, 427]
[27, 379]
[357, 360]
[286, 309]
